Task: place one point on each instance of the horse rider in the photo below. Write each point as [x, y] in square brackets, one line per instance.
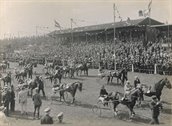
[155, 106]
[136, 81]
[37, 102]
[103, 95]
[47, 119]
[127, 90]
[6, 99]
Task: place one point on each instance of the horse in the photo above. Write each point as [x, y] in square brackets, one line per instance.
[3, 67]
[54, 77]
[21, 74]
[6, 79]
[71, 88]
[82, 67]
[31, 85]
[129, 102]
[158, 87]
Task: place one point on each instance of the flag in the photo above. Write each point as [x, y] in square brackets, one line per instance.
[73, 22]
[140, 13]
[114, 8]
[128, 21]
[57, 24]
[149, 6]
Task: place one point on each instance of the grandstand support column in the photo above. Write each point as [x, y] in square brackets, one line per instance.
[155, 69]
[132, 68]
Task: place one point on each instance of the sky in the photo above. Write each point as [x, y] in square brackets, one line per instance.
[25, 17]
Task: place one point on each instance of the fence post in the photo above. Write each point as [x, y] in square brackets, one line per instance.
[132, 68]
[155, 69]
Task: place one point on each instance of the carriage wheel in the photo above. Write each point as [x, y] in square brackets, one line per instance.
[97, 109]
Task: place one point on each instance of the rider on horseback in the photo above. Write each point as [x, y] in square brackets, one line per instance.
[127, 90]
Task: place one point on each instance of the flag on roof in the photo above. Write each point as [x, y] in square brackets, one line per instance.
[57, 24]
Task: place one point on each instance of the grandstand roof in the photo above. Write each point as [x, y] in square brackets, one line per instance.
[163, 26]
[121, 24]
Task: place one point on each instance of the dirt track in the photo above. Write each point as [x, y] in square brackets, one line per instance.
[81, 113]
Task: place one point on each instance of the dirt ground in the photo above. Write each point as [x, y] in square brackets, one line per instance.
[81, 112]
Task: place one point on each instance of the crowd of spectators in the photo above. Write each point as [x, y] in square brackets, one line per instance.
[106, 54]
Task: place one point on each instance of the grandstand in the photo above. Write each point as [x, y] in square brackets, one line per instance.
[145, 29]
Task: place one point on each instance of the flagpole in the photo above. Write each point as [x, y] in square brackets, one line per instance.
[71, 34]
[114, 8]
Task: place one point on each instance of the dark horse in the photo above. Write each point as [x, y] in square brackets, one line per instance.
[54, 77]
[71, 88]
[82, 67]
[120, 75]
[7, 79]
[129, 102]
[158, 87]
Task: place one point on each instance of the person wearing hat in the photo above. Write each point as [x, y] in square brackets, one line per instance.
[12, 102]
[22, 97]
[110, 77]
[37, 102]
[103, 95]
[47, 119]
[6, 99]
[155, 106]
[136, 81]
[127, 89]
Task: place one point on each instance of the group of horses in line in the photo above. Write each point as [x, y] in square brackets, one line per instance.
[54, 72]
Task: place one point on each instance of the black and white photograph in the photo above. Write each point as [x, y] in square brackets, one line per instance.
[85, 62]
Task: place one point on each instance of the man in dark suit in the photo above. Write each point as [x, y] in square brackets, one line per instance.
[6, 100]
[136, 81]
[47, 119]
[155, 106]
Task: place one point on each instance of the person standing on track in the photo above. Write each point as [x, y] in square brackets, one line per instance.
[12, 102]
[155, 106]
[136, 81]
[37, 102]
[6, 99]
[41, 86]
[22, 96]
[47, 119]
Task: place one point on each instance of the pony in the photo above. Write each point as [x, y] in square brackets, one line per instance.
[157, 88]
[129, 102]
[71, 88]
